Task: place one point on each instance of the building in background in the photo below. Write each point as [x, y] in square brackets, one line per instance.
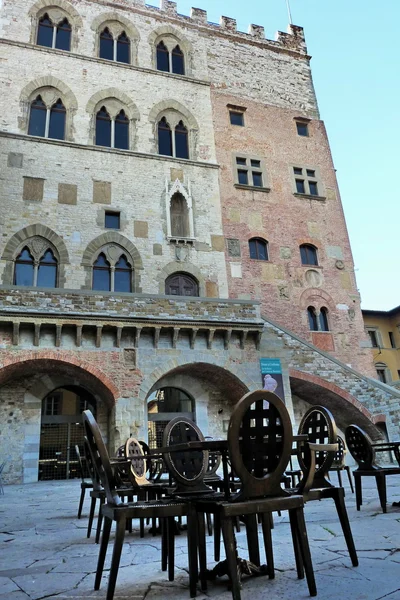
[170, 222]
[383, 330]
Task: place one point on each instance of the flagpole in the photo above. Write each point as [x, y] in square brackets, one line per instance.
[289, 12]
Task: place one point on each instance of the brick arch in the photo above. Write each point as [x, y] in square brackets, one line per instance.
[179, 267]
[345, 408]
[316, 296]
[49, 361]
[110, 93]
[49, 81]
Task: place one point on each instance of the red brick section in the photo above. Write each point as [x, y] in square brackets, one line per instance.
[293, 373]
[26, 362]
[323, 341]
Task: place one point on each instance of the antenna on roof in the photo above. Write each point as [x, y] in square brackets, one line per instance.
[289, 12]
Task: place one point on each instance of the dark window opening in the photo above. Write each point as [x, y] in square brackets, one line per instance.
[122, 131]
[308, 255]
[313, 188]
[181, 141]
[181, 284]
[236, 118]
[102, 274]
[302, 129]
[106, 46]
[63, 36]
[103, 128]
[256, 164]
[123, 276]
[37, 118]
[243, 177]
[391, 339]
[240, 161]
[310, 173]
[312, 319]
[300, 187]
[374, 338]
[52, 405]
[57, 121]
[112, 220]
[24, 269]
[381, 373]
[323, 320]
[164, 138]
[124, 49]
[45, 32]
[178, 61]
[47, 272]
[258, 249]
[162, 58]
[298, 171]
[257, 179]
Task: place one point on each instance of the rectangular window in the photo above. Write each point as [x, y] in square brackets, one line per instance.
[381, 375]
[308, 184]
[112, 220]
[250, 171]
[373, 337]
[237, 118]
[302, 128]
[391, 339]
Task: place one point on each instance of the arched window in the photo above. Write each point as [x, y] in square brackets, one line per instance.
[181, 284]
[164, 138]
[103, 128]
[121, 139]
[162, 58]
[178, 61]
[24, 269]
[37, 272]
[123, 49]
[323, 319]
[37, 118]
[52, 35]
[47, 122]
[123, 276]
[106, 45]
[179, 216]
[312, 318]
[102, 274]
[308, 255]
[47, 271]
[57, 121]
[181, 141]
[258, 249]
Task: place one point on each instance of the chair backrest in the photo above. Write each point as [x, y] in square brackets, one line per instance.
[99, 459]
[80, 463]
[340, 456]
[320, 427]
[134, 452]
[188, 468]
[260, 438]
[360, 447]
[214, 461]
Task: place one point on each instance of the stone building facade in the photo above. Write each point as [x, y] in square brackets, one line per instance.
[138, 265]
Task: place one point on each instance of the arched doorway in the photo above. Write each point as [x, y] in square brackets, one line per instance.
[164, 405]
[181, 284]
[61, 430]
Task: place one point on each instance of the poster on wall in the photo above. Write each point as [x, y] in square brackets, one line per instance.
[271, 376]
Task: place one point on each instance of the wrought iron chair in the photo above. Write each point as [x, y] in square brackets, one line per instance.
[363, 452]
[339, 463]
[116, 510]
[260, 442]
[3, 464]
[85, 484]
[320, 427]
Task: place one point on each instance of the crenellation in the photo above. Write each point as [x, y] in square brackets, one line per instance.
[169, 7]
[257, 31]
[228, 24]
[199, 16]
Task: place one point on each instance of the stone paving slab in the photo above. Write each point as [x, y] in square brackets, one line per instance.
[44, 552]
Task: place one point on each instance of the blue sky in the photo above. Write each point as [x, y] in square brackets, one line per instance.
[356, 69]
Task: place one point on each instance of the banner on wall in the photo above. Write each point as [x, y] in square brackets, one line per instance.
[271, 376]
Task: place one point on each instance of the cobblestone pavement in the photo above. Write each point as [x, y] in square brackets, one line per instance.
[44, 552]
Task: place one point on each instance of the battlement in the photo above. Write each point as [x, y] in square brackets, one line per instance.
[293, 39]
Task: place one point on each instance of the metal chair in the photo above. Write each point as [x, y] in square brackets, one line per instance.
[363, 452]
[116, 510]
[3, 464]
[85, 485]
[339, 463]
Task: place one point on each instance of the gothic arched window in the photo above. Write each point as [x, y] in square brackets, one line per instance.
[312, 318]
[164, 138]
[38, 269]
[48, 122]
[178, 61]
[47, 271]
[181, 284]
[24, 269]
[181, 141]
[123, 276]
[57, 121]
[52, 35]
[170, 57]
[162, 58]
[179, 216]
[323, 319]
[45, 32]
[103, 128]
[112, 270]
[121, 137]
[123, 49]
[102, 274]
[106, 45]
[38, 118]
[63, 35]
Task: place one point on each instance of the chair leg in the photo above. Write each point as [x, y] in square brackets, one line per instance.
[350, 479]
[164, 544]
[339, 475]
[171, 547]
[192, 552]
[209, 524]
[103, 551]
[305, 549]
[267, 534]
[91, 516]
[81, 500]
[231, 556]
[344, 521]
[252, 539]
[381, 485]
[217, 537]
[357, 482]
[202, 550]
[116, 557]
[296, 545]
[237, 523]
[99, 521]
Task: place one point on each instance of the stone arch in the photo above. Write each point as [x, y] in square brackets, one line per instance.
[16, 242]
[167, 31]
[179, 267]
[174, 112]
[116, 23]
[112, 237]
[345, 408]
[114, 100]
[165, 105]
[109, 93]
